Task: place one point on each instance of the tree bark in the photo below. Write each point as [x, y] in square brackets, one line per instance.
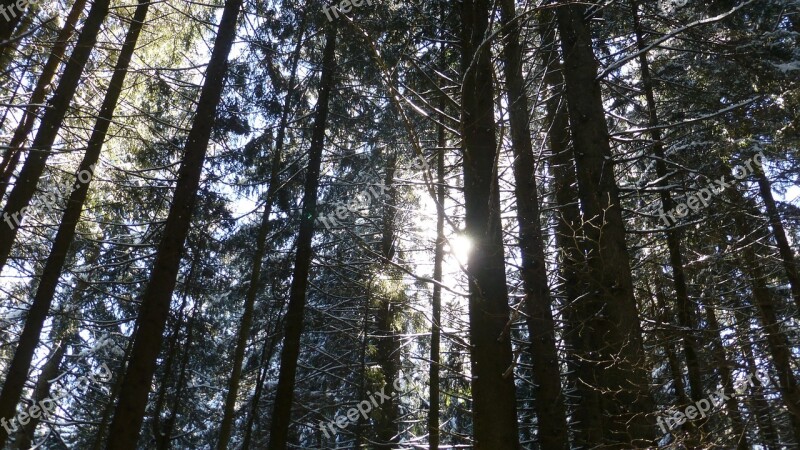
[51, 123]
[494, 399]
[282, 408]
[129, 413]
[617, 343]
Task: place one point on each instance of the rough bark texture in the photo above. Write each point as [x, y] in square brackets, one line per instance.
[282, 409]
[494, 399]
[129, 413]
[619, 357]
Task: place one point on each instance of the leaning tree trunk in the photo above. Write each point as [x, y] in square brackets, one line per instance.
[34, 321]
[620, 359]
[21, 196]
[51, 123]
[25, 125]
[549, 401]
[778, 232]
[282, 408]
[494, 400]
[777, 341]
[153, 313]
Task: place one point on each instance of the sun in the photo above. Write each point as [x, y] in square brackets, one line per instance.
[460, 247]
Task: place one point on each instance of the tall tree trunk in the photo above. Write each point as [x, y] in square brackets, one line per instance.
[19, 199]
[777, 341]
[171, 353]
[261, 248]
[759, 405]
[64, 333]
[569, 239]
[684, 305]
[41, 149]
[620, 361]
[787, 255]
[388, 345]
[494, 399]
[436, 299]
[25, 125]
[152, 318]
[282, 409]
[726, 377]
[164, 441]
[549, 401]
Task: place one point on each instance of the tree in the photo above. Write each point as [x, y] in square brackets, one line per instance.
[129, 412]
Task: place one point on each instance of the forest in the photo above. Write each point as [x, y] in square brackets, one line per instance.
[399, 224]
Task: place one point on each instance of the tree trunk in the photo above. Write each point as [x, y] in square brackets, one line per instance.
[549, 401]
[684, 305]
[129, 413]
[569, 240]
[787, 255]
[494, 399]
[617, 341]
[41, 149]
[25, 125]
[777, 341]
[726, 377]
[282, 409]
[436, 300]
[20, 197]
[258, 257]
